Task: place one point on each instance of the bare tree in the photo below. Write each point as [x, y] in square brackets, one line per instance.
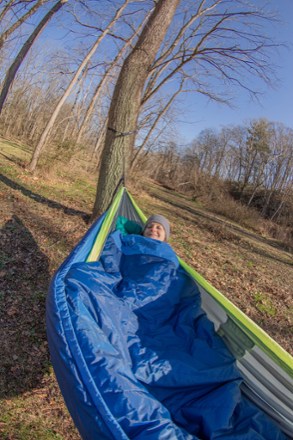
[278, 171]
[9, 8]
[256, 155]
[126, 102]
[106, 76]
[159, 115]
[86, 59]
[11, 72]
[220, 40]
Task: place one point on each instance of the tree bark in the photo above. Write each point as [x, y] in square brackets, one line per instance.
[12, 71]
[126, 102]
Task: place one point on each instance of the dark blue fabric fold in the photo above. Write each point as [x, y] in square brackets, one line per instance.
[151, 351]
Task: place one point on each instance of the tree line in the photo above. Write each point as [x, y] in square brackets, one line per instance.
[252, 163]
[111, 87]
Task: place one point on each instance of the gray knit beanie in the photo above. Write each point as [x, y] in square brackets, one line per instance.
[157, 218]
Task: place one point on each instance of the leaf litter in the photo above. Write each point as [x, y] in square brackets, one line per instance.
[36, 237]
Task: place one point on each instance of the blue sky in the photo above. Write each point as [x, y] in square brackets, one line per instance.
[276, 104]
[198, 113]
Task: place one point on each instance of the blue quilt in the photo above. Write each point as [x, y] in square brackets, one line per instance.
[151, 352]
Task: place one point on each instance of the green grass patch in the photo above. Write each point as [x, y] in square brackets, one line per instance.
[9, 170]
[20, 429]
[17, 152]
[264, 304]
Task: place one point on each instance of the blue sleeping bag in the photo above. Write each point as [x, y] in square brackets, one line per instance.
[150, 351]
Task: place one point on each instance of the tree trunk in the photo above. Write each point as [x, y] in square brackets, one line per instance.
[126, 101]
[45, 135]
[12, 71]
[277, 210]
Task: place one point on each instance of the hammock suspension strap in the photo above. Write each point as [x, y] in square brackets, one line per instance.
[121, 133]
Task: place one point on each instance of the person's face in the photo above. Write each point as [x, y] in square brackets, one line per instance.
[155, 230]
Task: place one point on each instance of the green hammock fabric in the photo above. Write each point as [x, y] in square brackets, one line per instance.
[126, 226]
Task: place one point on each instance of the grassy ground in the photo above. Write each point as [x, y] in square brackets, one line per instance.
[43, 217]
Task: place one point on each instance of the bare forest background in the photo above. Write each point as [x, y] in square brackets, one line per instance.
[61, 64]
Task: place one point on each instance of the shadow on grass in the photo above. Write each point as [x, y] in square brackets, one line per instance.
[24, 277]
[41, 199]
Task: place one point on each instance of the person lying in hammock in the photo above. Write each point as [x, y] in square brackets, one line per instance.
[153, 361]
[157, 227]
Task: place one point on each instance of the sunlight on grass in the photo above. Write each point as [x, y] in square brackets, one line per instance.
[264, 304]
[13, 150]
